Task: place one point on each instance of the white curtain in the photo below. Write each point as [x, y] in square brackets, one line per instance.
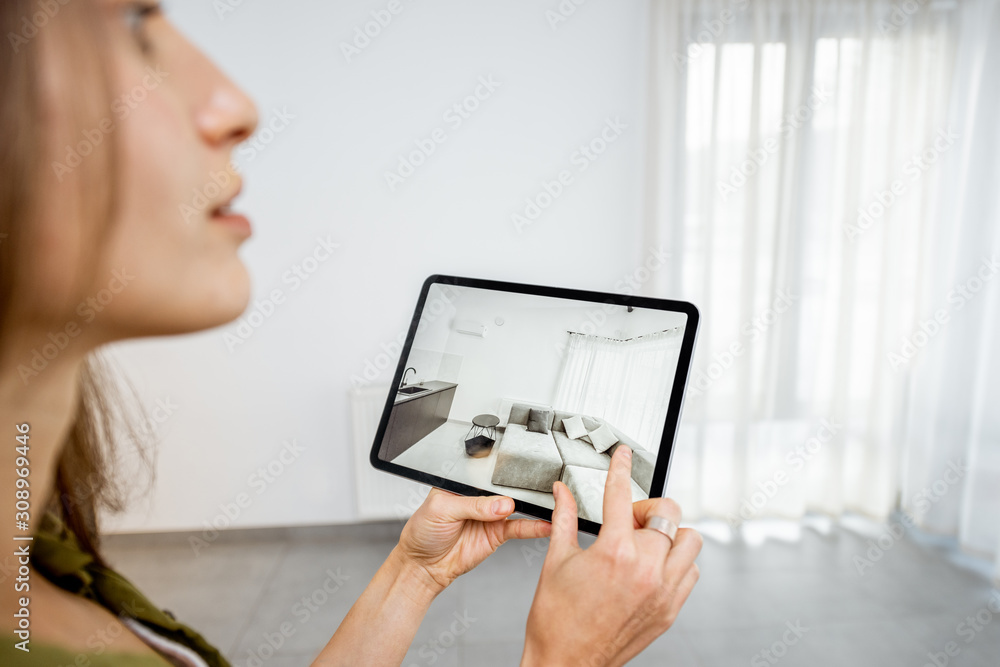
[825, 174]
[624, 382]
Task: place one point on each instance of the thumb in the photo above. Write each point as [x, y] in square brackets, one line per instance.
[564, 523]
[476, 508]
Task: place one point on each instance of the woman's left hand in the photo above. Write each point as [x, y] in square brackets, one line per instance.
[451, 534]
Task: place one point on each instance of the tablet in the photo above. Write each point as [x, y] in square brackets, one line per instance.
[504, 388]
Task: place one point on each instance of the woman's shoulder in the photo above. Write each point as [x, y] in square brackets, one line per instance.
[51, 655]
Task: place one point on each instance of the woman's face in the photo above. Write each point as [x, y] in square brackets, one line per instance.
[169, 261]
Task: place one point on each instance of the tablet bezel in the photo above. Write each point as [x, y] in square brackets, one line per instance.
[664, 457]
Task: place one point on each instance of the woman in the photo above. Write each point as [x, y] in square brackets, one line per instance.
[112, 122]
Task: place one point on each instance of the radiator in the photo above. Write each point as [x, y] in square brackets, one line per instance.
[378, 494]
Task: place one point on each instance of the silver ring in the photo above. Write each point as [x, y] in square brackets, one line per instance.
[662, 524]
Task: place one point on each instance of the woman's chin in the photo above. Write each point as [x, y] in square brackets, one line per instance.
[234, 300]
[218, 307]
[198, 304]
[192, 321]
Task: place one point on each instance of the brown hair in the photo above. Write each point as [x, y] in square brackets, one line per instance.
[84, 483]
[85, 480]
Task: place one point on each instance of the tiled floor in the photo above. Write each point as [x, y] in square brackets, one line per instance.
[906, 607]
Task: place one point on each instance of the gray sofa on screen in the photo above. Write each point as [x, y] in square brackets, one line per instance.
[530, 460]
[527, 460]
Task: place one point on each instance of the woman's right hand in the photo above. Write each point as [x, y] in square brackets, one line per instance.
[601, 606]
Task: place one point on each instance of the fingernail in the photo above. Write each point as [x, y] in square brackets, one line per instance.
[501, 507]
[628, 451]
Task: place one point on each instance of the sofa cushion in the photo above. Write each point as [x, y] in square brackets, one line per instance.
[526, 460]
[557, 420]
[590, 424]
[519, 414]
[603, 438]
[574, 428]
[579, 453]
[540, 421]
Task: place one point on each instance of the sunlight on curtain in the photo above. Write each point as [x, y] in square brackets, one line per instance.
[826, 174]
[624, 382]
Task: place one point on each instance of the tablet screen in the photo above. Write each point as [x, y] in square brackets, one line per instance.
[505, 388]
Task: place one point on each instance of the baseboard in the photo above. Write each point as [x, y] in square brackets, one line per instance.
[353, 532]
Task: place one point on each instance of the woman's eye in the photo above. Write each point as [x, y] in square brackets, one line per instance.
[136, 16]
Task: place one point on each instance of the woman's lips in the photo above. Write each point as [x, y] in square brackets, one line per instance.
[233, 220]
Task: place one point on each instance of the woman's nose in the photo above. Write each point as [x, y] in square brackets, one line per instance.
[228, 117]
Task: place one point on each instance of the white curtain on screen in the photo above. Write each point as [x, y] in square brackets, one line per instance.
[624, 382]
[826, 175]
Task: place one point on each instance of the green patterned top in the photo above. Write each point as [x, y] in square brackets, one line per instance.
[56, 555]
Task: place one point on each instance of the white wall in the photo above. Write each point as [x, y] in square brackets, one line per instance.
[323, 175]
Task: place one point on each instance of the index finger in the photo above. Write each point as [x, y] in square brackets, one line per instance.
[618, 494]
[643, 510]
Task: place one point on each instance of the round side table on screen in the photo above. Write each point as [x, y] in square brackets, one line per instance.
[480, 438]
